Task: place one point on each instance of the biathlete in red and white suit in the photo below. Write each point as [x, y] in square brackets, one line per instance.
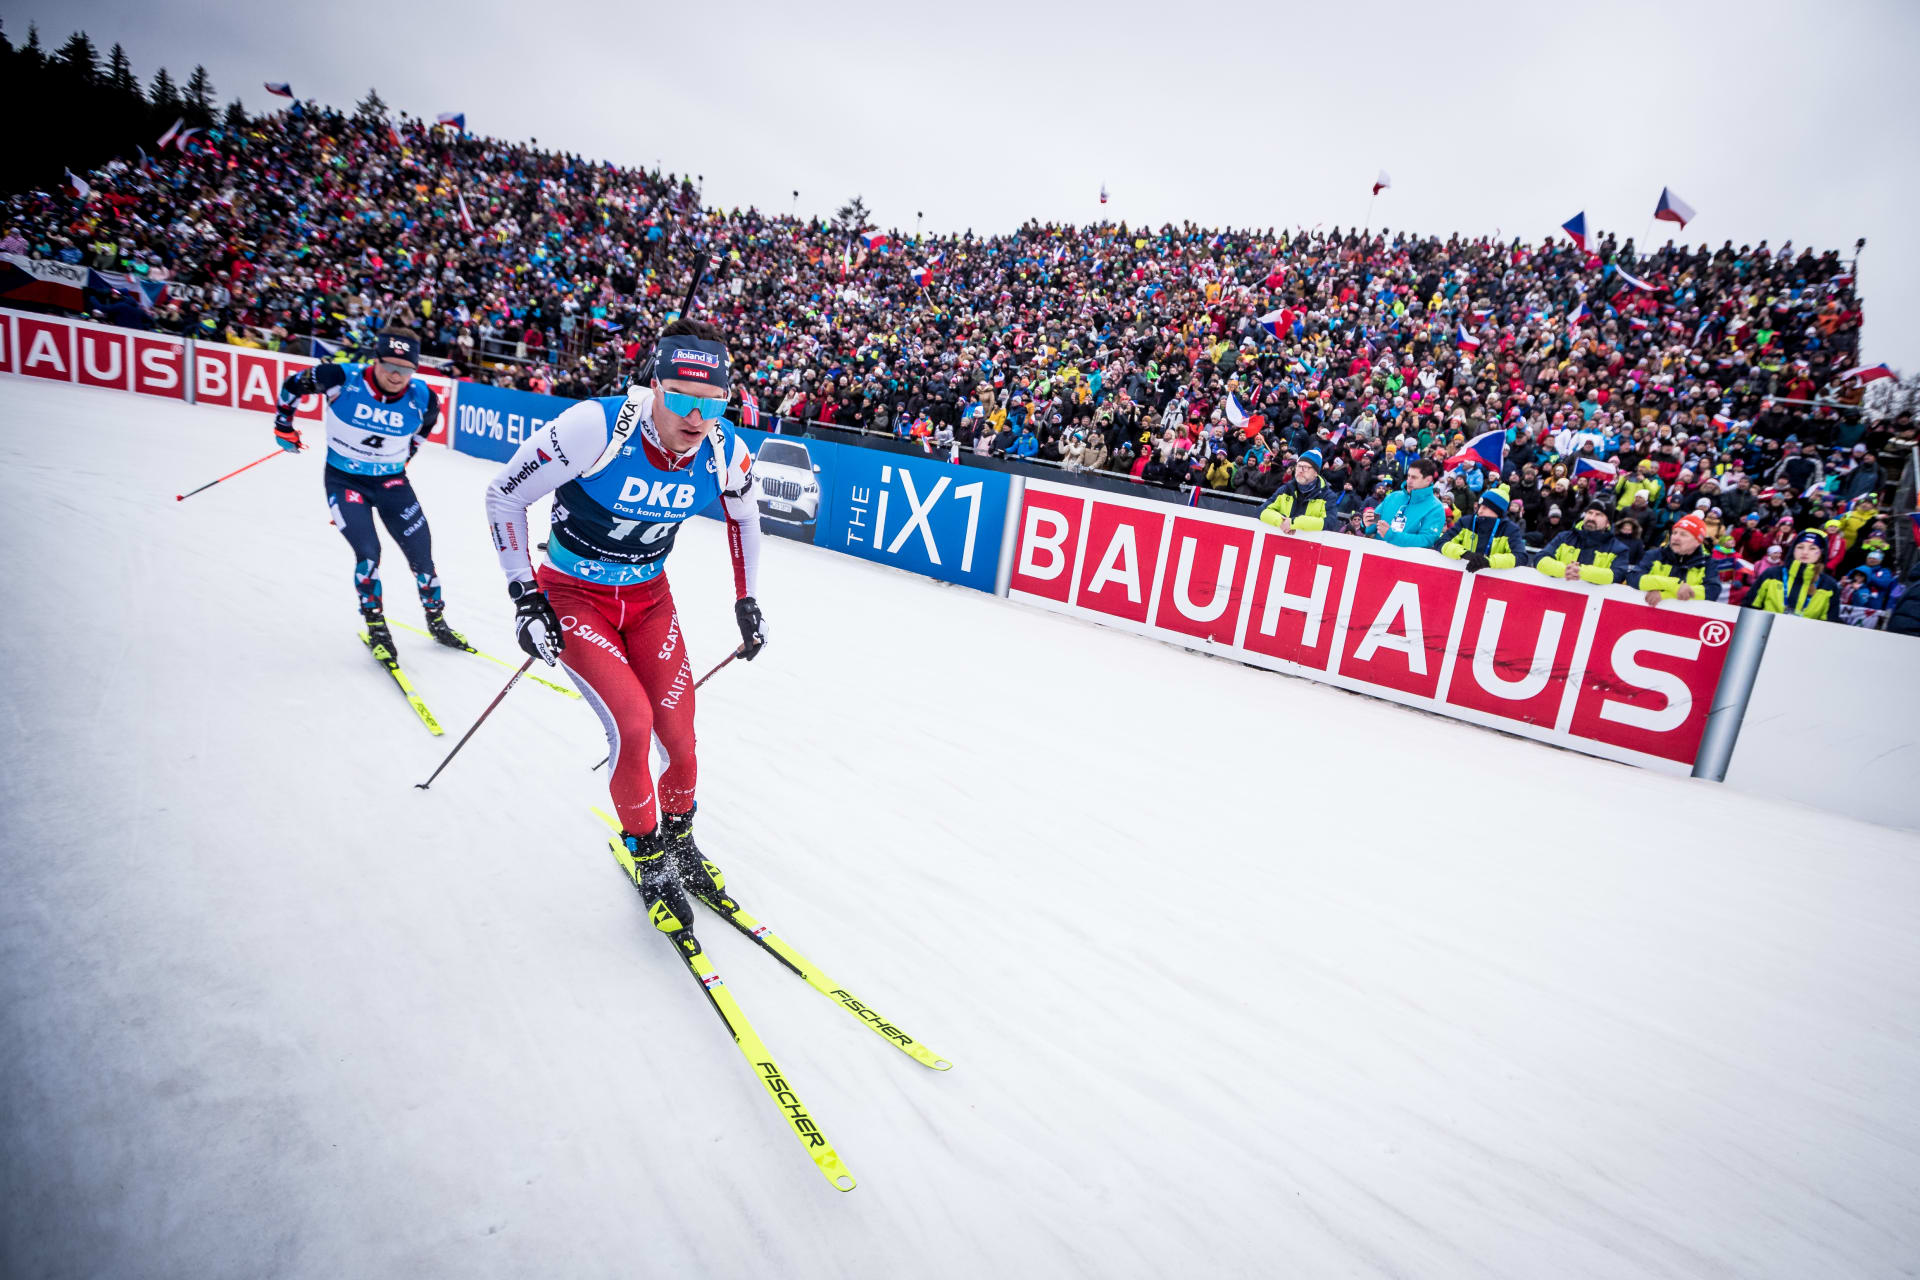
[624, 473]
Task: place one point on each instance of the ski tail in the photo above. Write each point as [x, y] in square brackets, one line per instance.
[498, 662]
[392, 664]
[777, 947]
[745, 1038]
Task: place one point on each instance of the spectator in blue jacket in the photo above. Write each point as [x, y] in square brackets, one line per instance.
[1411, 516]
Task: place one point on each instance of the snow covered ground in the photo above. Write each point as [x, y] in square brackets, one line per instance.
[1241, 976]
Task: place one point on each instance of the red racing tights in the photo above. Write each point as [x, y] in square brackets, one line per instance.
[625, 652]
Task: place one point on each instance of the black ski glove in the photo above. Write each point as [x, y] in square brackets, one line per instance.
[534, 622]
[753, 627]
[1476, 562]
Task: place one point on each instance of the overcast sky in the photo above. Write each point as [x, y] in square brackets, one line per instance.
[1775, 120]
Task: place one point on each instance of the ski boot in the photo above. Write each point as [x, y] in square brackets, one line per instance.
[698, 876]
[438, 628]
[653, 875]
[374, 619]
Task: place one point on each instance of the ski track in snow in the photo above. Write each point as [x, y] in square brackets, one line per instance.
[1242, 976]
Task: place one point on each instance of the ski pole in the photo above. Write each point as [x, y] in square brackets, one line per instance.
[512, 681]
[696, 684]
[182, 497]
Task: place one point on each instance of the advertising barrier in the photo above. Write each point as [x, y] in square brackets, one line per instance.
[914, 513]
[158, 364]
[1600, 671]
[491, 422]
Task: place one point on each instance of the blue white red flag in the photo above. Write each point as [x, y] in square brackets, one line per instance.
[1576, 229]
[1673, 209]
[749, 409]
[1193, 496]
[1272, 322]
[457, 119]
[1872, 373]
[280, 90]
[1467, 340]
[874, 239]
[1489, 449]
[1595, 467]
[168, 137]
[1577, 316]
[922, 277]
[1636, 281]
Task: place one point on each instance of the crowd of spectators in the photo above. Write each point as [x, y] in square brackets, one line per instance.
[1312, 372]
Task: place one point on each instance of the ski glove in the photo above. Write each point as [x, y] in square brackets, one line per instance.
[753, 627]
[286, 434]
[534, 623]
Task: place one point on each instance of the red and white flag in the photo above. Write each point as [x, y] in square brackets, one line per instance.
[1382, 182]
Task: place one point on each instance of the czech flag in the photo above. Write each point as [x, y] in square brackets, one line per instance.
[1636, 281]
[1576, 316]
[1489, 449]
[1722, 423]
[1576, 229]
[280, 90]
[1873, 373]
[1467, 340]
[1272, 323]
[922, 277]
[169, 135]
[1250, 424]
[1673, 209]
[1635, 322]
[937, 261]
[1595, 467]
[455, 119]
[466, 219]
[1382, 182]
[874, 239]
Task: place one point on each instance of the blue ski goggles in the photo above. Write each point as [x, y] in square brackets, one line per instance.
[710, 408]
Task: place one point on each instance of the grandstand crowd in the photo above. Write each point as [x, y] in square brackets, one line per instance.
[1684, 420]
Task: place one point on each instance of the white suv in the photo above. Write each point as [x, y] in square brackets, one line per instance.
[789, 485]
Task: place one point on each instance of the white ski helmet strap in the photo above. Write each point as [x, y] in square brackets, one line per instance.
[625, 424]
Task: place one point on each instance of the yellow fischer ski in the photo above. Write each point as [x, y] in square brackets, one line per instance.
[392, 665]
[498, 662]
[751, 1047]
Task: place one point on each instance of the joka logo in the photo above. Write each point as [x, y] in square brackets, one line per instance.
[377, 415]
[707, 358]
[658, 494]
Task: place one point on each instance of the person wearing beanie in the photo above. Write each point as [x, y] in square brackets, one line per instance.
[1588, 554]
[1411, 516]
[1802, 586]
[1486, 539]
[1680, 570]
[1305, 502]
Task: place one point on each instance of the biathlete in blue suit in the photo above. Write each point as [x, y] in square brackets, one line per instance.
[376, 416]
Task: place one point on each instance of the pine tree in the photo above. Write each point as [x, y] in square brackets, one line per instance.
[852, 215]
[32, 51]
[163, 95]
[236, 118]
[199, 95]
[79, 56]
[120, 71]
[372, 107]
